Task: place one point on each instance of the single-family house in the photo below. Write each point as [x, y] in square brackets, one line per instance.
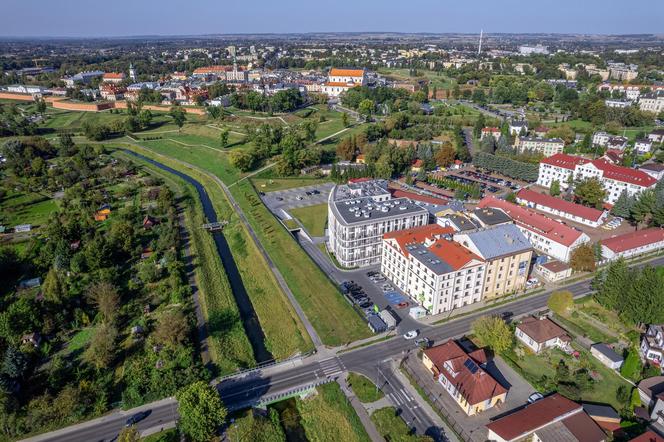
[655, 170]
[649, 389]
[648, 436]
[554, 270]
[463, 378]
[652, 344]
[541, 333]
[643, 146]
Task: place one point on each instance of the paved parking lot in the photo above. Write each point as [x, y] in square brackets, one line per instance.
[288, 199]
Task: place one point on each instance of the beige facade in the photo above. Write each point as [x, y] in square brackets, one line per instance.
[503, 275]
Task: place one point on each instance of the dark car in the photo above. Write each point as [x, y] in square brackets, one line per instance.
[136, 418]
[366, 304]
[315, 192]
[279, 198]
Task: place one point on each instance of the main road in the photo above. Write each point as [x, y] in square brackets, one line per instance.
[251, 388]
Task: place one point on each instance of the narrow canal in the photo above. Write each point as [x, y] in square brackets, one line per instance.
[252, 326]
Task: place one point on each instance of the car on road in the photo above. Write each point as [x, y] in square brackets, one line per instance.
[136, 418]
[388, 288]
[532, 282]
[366, 304]
[535, 397]
[278, 198]
[423, 342]
[299, 197]
[315, 192]
[412, 334]
[402, 305]
[505, 316]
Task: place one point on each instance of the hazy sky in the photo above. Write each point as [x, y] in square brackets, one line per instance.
[169, 17]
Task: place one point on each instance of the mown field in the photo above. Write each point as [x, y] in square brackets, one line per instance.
[313, 218]
[24, 207]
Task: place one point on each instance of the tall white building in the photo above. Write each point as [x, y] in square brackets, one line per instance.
[615, 179]
[360, 213]
[433, 270]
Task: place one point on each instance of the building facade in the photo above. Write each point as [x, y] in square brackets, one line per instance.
[546, 146]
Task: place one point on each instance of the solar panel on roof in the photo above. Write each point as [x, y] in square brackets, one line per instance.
[471, 366]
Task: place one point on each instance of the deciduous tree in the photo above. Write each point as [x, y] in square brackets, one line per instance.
[201, 411]
[560, 302]
[493, 332]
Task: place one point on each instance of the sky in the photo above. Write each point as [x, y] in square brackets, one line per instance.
[93, 18]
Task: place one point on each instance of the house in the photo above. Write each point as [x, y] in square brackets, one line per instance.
[507, 254]
[650, 389]
[614, 156]
[652, 102]
[102, 214]
[490, 132]
[643, 146]
[552, 419]
[541, 131]
[544, 146]
[652, 344]
[463, 378]
[633, 243]
[147, 253]
[600, 138]
[458, 221]
[655, 170]
[656, 136]
[149, 222]
[562, 208]
[29, 283]
[554, 270]
[22, 228]
[657, 412]
[615, 179]
[618, 103]
[617, 142]
[545, 234]
[113, 77]
[518, 127]
[417, 166]
[541, 333]
[606, 355]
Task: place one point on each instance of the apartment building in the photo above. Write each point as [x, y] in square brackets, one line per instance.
[633, 243]
[507, 254]
[433, 270]
[546, 146]
[615, 179]
[652, 102]
[490, 132]
[360, 213]
[340, 80]
[561, 208]
[600, 138]
[544, 234]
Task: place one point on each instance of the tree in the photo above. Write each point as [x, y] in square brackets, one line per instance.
[493, 332]
[201, 411]
[105, 297]
[223, 138]
[54, 289]
[14, 364]
[41, 106]
[445, 155]
[145, 118]
[344, 119]
[644, 206]
[623, 205]
[583, 258]
[560, 302]
[366, 108]
[554, 190]
[172, 328]
[590, 192]
[241, 159]
[346, 148]
[101, 351]
[129, 434]
[479, 125]
[178, 116]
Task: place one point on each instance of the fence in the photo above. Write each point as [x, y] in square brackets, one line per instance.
[436, 403]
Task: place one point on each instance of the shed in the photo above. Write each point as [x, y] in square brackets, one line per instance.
[606, 355]
[417, 312]
[23, 228]
[376, 324]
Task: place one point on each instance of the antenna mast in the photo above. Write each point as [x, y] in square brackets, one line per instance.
[479, 49]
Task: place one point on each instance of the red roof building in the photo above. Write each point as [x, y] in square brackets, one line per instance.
[648, 436]
[113, 77]
[559, 207]
[397, 193]
[462, 376]
[633, 243]
[423, 234]
[554, 418]
[545, 234]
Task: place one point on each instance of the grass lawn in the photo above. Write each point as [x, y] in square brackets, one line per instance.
[248, 426]
[171, 435]
[364, 389]
[439, 80]
[26, 208]
[329, 416]
[334, 319]
[580, 326]
[276, 184]
[285, 334]
[392, 427]
[313, 218]
[535, 367]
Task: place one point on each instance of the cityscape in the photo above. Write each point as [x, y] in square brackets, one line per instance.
[231, 223]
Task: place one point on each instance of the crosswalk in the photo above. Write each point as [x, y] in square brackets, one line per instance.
[401, 399]
[330, 367]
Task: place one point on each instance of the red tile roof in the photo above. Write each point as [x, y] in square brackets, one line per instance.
[336, 72]
[648, 436]
[416, 196]
[610, 171]
[541, 330]
[338, 84]
[534, 221]
[417, 235]
[474, 387]
[215, 69]
[533, 417]
[453, 253]
[418, 163]
[632, 240]
[113, 76]
[561, 205]
[490, 129]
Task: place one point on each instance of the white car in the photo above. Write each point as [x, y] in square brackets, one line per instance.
[411, 334]
[535, 397]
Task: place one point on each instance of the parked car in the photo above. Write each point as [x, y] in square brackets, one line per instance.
[136, 418]
[535, 397]
[423, 342]
[366, 304]
[412, 334]
[315, 192]
[299, 198]
[278, 198]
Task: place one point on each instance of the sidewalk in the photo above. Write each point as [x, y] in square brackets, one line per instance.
[362, 413]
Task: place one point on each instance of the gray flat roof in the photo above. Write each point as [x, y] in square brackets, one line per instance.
[428, 259]
[364, 209]
[492, 216]
[608, 352]
[462, 223]
[502, 240]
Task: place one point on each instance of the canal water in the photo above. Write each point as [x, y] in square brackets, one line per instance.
[248, 316]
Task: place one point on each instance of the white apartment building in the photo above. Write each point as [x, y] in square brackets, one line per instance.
[537, 49]
[600, 139]
[617, 103]
[544, 234]
[433, 270]
[652, 102]
[517, 126]
[616, 179]
[360, 213]
[340, 80]
[643, 146]
[545, 146]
